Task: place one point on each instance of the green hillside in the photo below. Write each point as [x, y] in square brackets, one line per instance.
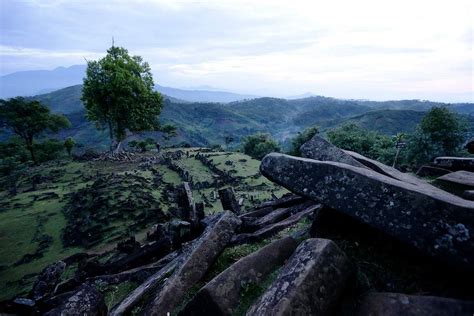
[205, 124]
[49, 220]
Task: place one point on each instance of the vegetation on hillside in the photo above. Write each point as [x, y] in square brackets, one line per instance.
[259, 145]
[118, 95]
[29, 120]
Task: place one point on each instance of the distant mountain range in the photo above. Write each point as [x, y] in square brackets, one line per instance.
[204, 124]
[28, 83]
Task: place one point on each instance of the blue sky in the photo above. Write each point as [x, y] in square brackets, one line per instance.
[361, 49]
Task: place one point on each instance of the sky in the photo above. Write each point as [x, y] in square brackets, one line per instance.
[378, 50]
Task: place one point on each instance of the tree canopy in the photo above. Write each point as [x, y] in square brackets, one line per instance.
[440, 133]
[118, 94]
[301, 138]
[258, 145]
[29, 120]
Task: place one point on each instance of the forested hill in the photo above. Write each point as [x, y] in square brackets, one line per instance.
[208, 123]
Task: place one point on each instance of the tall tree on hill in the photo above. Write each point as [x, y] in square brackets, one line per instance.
[29, 120]
[118, 95]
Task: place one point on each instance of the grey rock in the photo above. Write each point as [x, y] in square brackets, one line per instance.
[430, 171]
[310, 283]
[185, 202]
[222, 294]
[395, 304]
[455, 163]
[273, 229]
[47, 280]
[464, 178]
[320, 149]
[85, 301]
[194, 265]
[436, 222]
[228, 200]
[468, 195]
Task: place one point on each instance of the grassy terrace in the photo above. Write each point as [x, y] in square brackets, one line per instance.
[33, 215]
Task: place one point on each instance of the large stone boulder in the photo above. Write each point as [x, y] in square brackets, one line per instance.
[194, 265]
[85, 301]
[430, 171]
[228, 200]
[395, 304]
[436, 222]
[47, 280]
[320, 149]
[455, 163]
[310, 283]
[221, 296]
[462, 178]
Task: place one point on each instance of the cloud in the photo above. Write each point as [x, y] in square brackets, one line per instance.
[363, 49]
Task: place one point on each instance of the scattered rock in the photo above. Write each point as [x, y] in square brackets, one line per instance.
[185, 202]
[310, 283]
[455, 163]
[464, 178]
[468, 195]
[221, 295]
[285, 201]
[272, 229]
[47, 280]
[228, 200]
[436, 222]
[395, 304]
[320, 149]
[203, 253]
[85, 301]
[430, 171]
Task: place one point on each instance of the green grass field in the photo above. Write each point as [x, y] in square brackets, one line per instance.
[30, 214]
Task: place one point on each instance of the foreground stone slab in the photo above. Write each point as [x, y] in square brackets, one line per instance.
[310, 283]
[468, 195]
[464, 178]
[320, 149]
[272, 229]
[436, 222]
[455, 163]
[47, 280]
[228, 200]
[221, 296]
[430, 171]
[395, 304]
[85, 301]
[193, 266]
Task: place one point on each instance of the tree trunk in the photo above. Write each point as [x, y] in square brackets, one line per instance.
[29, 146]
[117, 149]
[111, 134]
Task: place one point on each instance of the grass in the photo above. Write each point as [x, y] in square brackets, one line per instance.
[19, 215]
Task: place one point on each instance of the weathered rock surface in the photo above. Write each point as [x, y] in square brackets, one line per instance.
[468, 195]
[464, 178]
[194, 266]
[221, 296]
[285, 201]
[126, 305]
[47, 280]
[272, 229]
[455, 163]
[395, 304]
[436, 222]
[85, 301]
[430, 171]
[228, 200]
[320, 149]
[276, 216]
[185, 202]
[310, 283]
